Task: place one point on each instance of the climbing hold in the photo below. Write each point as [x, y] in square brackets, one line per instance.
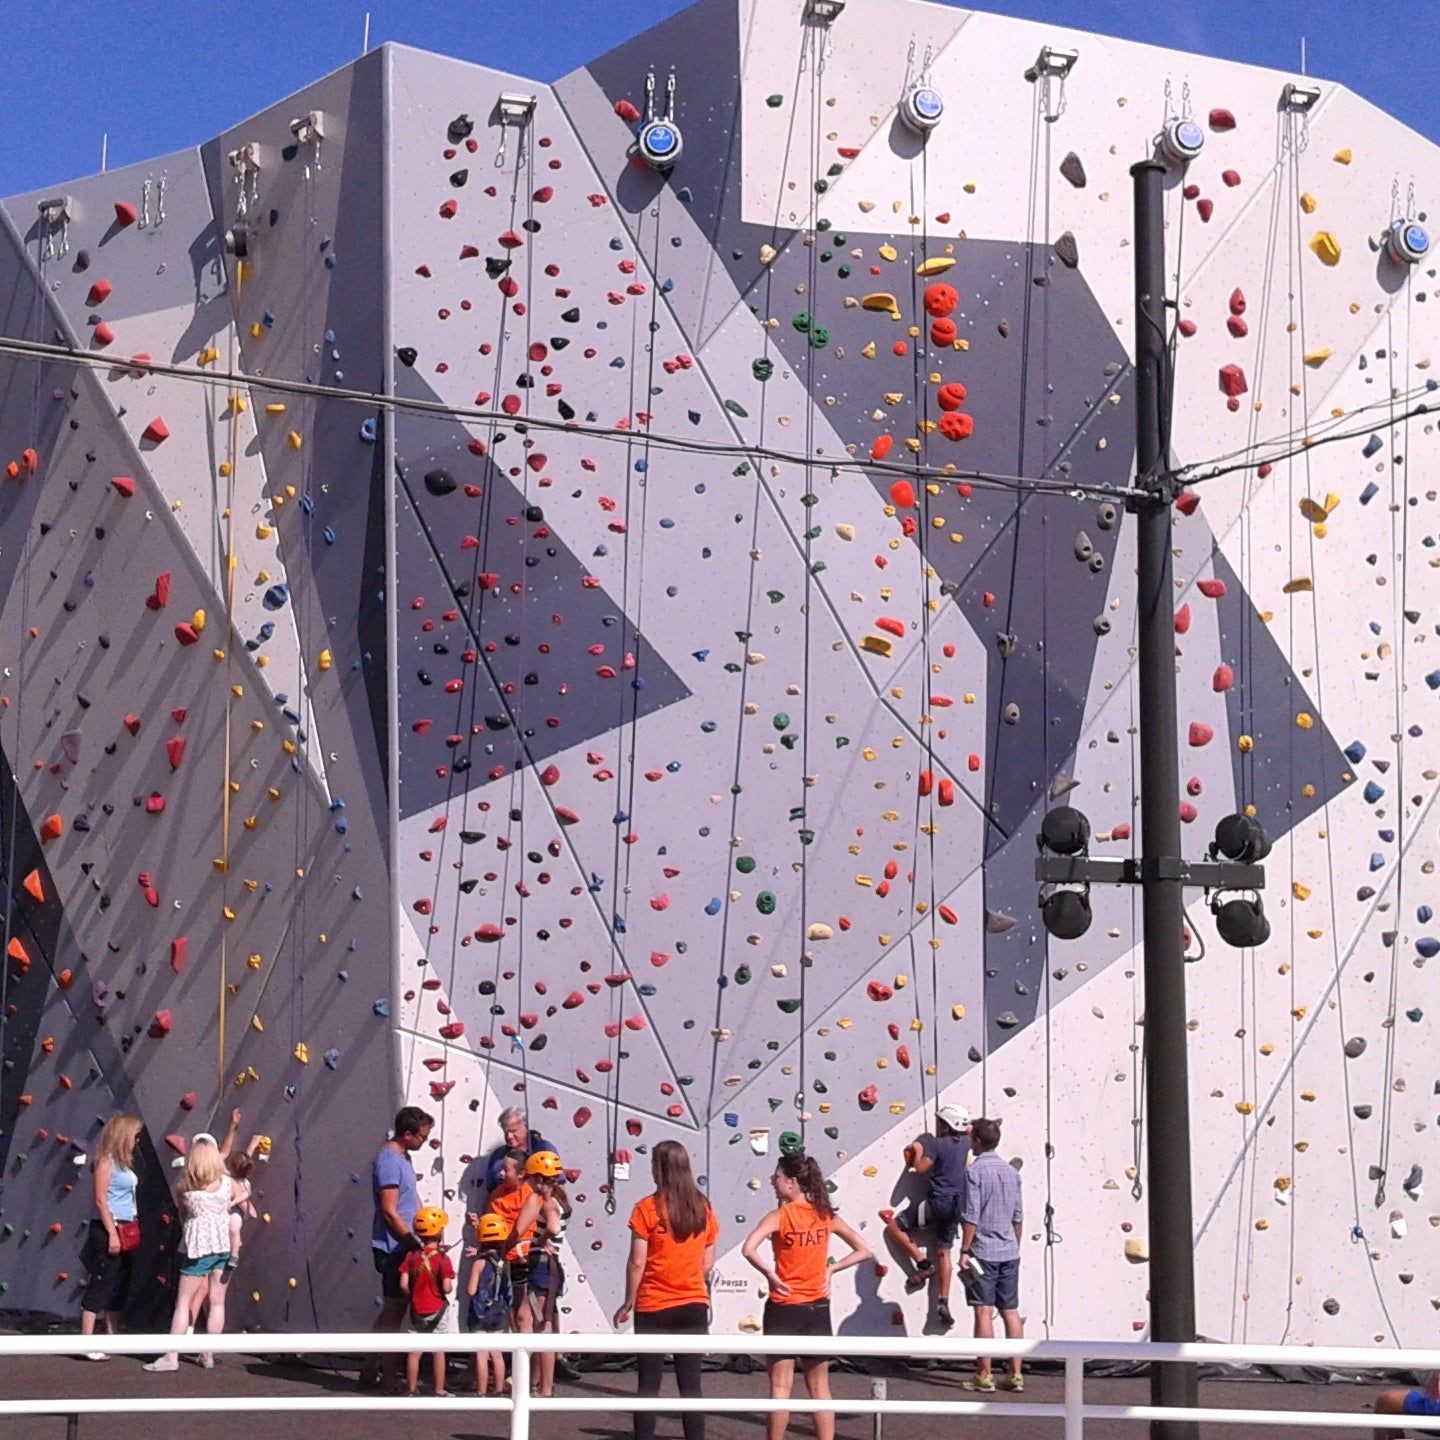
[1326, 247]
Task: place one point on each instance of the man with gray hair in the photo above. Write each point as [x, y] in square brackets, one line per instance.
[518, 1136]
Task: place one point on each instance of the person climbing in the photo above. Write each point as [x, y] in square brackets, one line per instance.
[240, 1165]
[1423, 1400]
[990, 1216]
[941, 1159]
[799, 1231]
[544, 1274]
[114, 1234]
[672, 1252]
[397, 1199]
[206, 1194]
[427, 1277]
[491, 1298]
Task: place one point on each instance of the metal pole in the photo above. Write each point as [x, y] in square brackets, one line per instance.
[1074, 1398]
[1167, 1082]
[520, 1395]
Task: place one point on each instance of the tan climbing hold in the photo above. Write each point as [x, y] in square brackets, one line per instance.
[767, 254]
[877, 645]
[819, 931]
[1300, 585]
[1137, 1251]
[1344, 157]
[868, 350]
[845, 531]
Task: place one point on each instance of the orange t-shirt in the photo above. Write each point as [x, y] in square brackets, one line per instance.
[508, 1208]
[674, 1269]
[802, 1253]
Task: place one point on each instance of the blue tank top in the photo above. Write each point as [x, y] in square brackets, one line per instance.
[120, 1193]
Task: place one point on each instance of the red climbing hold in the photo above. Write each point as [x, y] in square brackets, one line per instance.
[948, 915]
[123, 485]
[156, 431]
[178, 947]
[175, 750]
[160, 1026]
[869, 1097]
[1187, 502]
[581, 1117]
[1237, 327]
[947, 791]
[1232, 381]
[51, 829]
[125, 213]
[1205, 208]
[890, 625]
[489, 934]
[154, 803]
[449, 209]
[100, 292]
[927, 782]
[1212, 589]
[902, 496]
[943, 332]
[941, 300]
[627, 111]
[102, 335]
[878, 990]
[881, 448]
[1221, 120]
[1230, 177]
[1223, 679]
[132, 724]
[511, 240]
[951, 395]
[186, 633]
[957, 425]
[1199, 734]
[1186, 327]
[1182, 620]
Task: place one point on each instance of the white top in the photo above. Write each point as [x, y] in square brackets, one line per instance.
[207, 1220]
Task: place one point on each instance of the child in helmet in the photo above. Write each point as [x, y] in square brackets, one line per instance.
[426, 1280]
[545, 1278]
[941, 1159]
[491, 1298]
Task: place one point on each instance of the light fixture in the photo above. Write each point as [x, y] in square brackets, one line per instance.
[1299, 96]
[515, 108]
[922, 109]
[1065, 910]
[1066, 913]
[1064, 831]
[1241, 921]
[823, 11]
[1052, 61]
[1407, 242]
[1241, 838]
[1181, 140]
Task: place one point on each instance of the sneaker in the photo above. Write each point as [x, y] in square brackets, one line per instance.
[1015, 1383]
[207, 1362]
[943, 1315]
[96, 1355]
[165, 1365]
[984, 1384]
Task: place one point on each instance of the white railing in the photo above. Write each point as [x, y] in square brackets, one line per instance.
[521, 1406]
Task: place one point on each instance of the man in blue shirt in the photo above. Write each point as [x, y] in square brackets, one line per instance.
[990, 1216]
[518, 1136]
[397, 1198]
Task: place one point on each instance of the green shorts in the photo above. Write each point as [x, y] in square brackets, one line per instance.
[204, 1264]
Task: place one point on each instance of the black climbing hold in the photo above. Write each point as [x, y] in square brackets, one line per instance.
[441, 482]
[460, 129]
[407, 355]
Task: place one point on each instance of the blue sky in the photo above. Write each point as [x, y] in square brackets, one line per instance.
[158, 78]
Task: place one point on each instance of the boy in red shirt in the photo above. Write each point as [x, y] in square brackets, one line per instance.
[426, 1279]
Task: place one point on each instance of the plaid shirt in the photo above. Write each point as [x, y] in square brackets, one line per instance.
[990, 1202]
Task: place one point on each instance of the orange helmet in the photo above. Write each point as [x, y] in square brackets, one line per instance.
[546, 1164]
[430, 1221]
[491, 1228]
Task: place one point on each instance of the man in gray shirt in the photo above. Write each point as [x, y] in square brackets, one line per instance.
[990, 1218]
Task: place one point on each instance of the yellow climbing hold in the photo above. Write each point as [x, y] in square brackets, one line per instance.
[957, 1012]
[1317, 512]
[936, 265]
[888, 252]
[1245, 744]
[876, 645]
[1345, 156]
[1299, 890]
[1307, 203]
[325, 660]
[1300, 585]
[295, 441]
[209, 355]
[1316, 358]
[302, 1052]
[1305, 720]
[881, 300]
[1244, 1107]
[253, 962]
[275, 407]
[1326, 247]
[256, 1025]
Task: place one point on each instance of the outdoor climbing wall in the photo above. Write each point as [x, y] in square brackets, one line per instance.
[648, 717]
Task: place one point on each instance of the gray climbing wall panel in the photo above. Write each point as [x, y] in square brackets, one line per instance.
[753, 586]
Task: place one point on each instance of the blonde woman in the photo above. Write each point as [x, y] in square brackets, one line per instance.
[206, 1195]
[114, 1235]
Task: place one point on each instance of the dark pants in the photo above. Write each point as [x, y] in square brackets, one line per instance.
[108, 1287]
[678, 1320]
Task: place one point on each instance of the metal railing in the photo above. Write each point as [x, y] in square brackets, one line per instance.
[521, 1406]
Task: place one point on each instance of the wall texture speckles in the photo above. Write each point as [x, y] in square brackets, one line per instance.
[752, 588]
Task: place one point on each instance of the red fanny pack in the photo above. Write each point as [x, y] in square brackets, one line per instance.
[129, 1233]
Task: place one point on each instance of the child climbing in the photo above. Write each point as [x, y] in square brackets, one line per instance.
[241, 1166]
[941, 1159]
[426, 1279]
[491, 1298]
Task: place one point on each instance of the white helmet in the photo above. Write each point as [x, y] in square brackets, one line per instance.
[957, 1117]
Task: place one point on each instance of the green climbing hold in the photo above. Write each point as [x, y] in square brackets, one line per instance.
[826, 256]
[843, 272]
[736, 408]
[789, 741]
[836, 169]
[841, 741]
[745, 864]
[807, 837]
[774, 596]
[839, 238]
[781, 720]
[765, 902]
[762, 369]
[819, 337]
[820, 1087]
[832, 1132]
[821, 186]
[818, 567]
[743, 468]
[789, 1007]
[774, 101]
[791, 1143]
[807, 500]
[802, 322]
[742, 975]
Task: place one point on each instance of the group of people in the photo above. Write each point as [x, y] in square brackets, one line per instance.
[214, 1197]
[513, 1270]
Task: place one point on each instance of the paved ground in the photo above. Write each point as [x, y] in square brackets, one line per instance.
[245, 1377]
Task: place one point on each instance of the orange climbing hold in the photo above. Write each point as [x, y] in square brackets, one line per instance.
[35, 887]
[955, 425]
[941, 300]
[951, 395]
[17, 952]
[52, 828]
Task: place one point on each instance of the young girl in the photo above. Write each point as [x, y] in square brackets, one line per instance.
[544, 1278]
[672, 1251]
[242, 1207]
[426, 1279]
[114, 1235]
[491, 1298]
[799, 1232]
[206, 1194]
[508, 1200]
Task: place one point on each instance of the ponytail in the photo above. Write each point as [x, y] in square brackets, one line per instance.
[804, 1170]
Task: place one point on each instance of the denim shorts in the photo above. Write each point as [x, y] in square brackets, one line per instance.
[998, 1287]
[940, 1213]
[204, 1264]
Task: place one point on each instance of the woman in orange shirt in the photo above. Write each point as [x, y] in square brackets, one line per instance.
[799, 1232]
[672, 1251]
